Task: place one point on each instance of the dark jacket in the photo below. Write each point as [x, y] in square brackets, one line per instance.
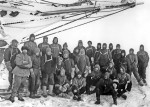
[104, 57]
[43, 46]
[49, 66]
[90, 51]
[113, 72]
[10, 55]
[123, 78]
[68, 64]
[31, 47]
[143, 58]
[35, 62]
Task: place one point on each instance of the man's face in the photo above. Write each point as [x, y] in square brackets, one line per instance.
[45, 40]
[79, 75]
[95, 69]
[121, 70]
[110, 47]
[118, 47]
[49, 53]
[104, 46]
[24, 51]
[80, 44]
[38, 54]
[55, 40]
[131, 51]
[89, 44]
[15, 44]
[32, 38]
[141, 48]
[66, 55]
[122, 54]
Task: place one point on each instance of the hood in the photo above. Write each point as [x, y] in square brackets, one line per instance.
[123, 51]
[55, 38]
[80, 43]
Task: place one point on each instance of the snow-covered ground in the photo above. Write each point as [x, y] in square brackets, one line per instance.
[138, 97]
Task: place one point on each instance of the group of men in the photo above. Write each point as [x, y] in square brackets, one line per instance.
[56, 71]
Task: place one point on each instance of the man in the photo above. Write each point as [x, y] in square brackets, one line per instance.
[97, 53]
[44, 45]
[143, 59]
[92, 79]
[56, 49]
[31, 45]
[133, 63]
[78, 48]
[111, 48]
[34, 79]
[9, 58]
[116, 54]
[124, 83]
[21, 73]
[83, 64]
[104, 58]
[123, 60]
[90, 51]
[78, 86]
[105, 87]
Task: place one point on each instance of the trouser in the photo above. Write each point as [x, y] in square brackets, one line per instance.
[68, 75]
[34, 81]
[77, 91]
[10, 79]
[48, 79]
[18, 82]
[101, 91]
[135, 73]
[142, 71]
[90, 82]
[122, 88]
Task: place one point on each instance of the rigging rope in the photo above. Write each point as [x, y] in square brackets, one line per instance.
[96, 10]
[87, 22]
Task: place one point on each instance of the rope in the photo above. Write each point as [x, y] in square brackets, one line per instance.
[96, 10]
[87, 22]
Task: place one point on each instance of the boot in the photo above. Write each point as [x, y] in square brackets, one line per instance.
[20, 99]
[145, 82]
[11, 99]
[141, 83]
[44, 88]
[124, 96]
[50, 92]
[79, 98]
[36, 95]
[75, 97]
[32, 95]
[98, 101]
[115, 101]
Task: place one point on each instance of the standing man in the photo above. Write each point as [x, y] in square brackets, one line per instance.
[21, 73]
[31, 45]
[116, 54]
[9, 58]
[133, 66]
[44, 45]
[104, 58]
[143, 59]
[90, 51]
[56, 49]
[111, 48]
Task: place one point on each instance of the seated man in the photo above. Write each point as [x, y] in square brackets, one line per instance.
[105, 87]
[124, 83]
[78, 86]
[92, 79]
[62, 85]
